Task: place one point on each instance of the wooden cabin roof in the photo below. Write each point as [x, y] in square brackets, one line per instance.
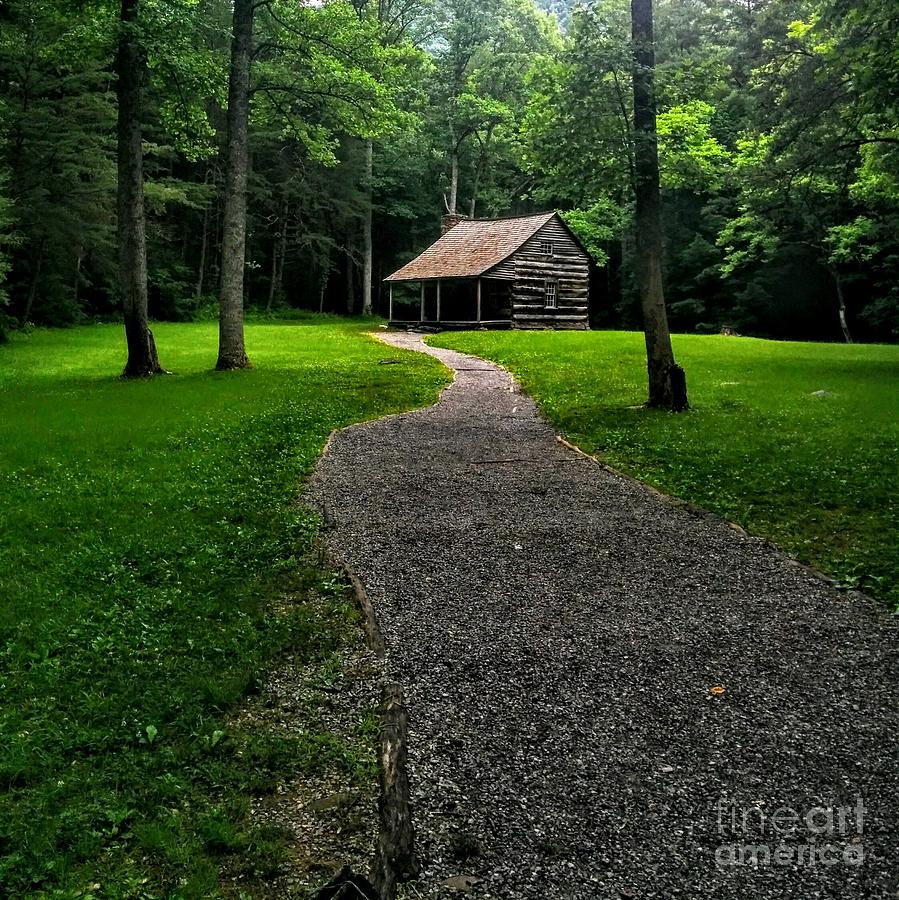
[471, 248]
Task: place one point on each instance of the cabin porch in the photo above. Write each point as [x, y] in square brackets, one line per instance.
[451, 303]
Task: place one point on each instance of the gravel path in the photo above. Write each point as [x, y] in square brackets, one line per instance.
[563, 635]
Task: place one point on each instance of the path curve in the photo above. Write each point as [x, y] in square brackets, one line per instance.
[559, 630]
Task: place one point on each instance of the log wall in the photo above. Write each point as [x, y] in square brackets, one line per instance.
[568, 266]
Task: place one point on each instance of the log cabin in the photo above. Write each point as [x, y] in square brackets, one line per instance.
[514, 272]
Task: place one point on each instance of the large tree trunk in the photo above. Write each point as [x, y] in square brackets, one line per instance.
[131, 68]
[667, 384]
[232, 354]
[367, 249]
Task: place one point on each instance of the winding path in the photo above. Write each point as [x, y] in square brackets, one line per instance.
[559, 631]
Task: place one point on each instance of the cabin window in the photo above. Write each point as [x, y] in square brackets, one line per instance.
[548, 248]
[549, 293]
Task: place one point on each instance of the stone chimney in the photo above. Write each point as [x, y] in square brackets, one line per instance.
[450, 220]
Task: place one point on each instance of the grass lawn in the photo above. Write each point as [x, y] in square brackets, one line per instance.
[820, 476]
[146, 529]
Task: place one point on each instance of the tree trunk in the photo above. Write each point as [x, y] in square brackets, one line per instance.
[279, 249]
[131, 69]
[350, 286]
[367, 250]
[324, 277]
[454, 181]
[667, 384]
[274, 273]
[76, 287]
[481, 166]
[282, 252]
[204, 243]
[379, 281]
[35, 279]
[215, 261]
[841, 301]
[232, 354]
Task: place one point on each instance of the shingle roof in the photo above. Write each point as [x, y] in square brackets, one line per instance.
[471, 248]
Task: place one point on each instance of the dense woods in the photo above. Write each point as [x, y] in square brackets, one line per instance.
[328, 139]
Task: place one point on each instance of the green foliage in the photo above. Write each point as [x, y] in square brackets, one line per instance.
[815, 167]
[581, 102]
[332, 64]
[816, 475]
[59, 152]
[188, 74]
[691, 158]
[483, 61]
[746, 239]
[147, 528]
[851, 241]
[596, 227]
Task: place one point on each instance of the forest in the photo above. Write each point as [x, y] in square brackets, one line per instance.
[365, 122]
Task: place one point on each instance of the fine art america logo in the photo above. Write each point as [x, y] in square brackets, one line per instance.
[817, 836]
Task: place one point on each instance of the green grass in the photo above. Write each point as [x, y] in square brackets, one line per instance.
[145, 529]
[820, 476]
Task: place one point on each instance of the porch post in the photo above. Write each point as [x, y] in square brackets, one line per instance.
[390, 306]
[422, 317]
[438, 299]
[479, 299]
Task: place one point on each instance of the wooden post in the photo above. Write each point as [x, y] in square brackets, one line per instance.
[438, 299]
[395, 859]
[422, 317]
[390, 302]
[479, 299]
